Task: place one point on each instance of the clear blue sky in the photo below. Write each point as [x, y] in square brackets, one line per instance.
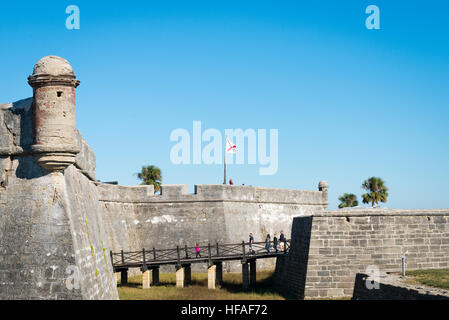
[349, 103]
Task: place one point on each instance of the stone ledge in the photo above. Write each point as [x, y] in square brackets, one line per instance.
[384, 212]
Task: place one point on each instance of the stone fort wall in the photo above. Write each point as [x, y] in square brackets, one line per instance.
[136, 218]
[329, 249]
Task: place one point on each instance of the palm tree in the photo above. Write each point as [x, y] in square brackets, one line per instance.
[151, 175]
[377, 191]
[348, 200]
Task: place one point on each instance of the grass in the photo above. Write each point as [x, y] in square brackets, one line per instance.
[438, 278]
[230, 290]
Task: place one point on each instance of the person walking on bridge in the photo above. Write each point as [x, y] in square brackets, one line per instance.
[282, 241]
[275, 242]
[268, 243]
[251, 241]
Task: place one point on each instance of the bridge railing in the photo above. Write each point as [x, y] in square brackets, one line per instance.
[210, 251]
[230, 249]
[264, 247]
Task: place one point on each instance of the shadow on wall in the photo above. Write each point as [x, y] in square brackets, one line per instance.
[28, 167]
[291, 270]
[24, 110]
[388, 292]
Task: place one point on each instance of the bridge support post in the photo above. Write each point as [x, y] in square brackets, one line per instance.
[187, 274]
[211, 277]
[245, 276]
[252, 273]
[155, 272]
[123, 277]
[219, 273]
[146, 279]
[180, 281]
[116, 277]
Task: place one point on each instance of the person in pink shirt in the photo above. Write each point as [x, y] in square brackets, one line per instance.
[197, 250]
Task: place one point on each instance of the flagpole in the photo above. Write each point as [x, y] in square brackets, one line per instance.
[224, 158]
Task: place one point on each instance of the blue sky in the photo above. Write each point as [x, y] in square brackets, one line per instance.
[349, 102]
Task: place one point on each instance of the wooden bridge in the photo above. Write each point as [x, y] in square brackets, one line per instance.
[183, 257]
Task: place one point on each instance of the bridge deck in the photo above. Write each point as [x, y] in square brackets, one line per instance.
[148, 259]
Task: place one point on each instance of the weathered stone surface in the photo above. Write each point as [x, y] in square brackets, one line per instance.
[211, 277]
[89, 236]
[330, 248]
[43, 240]
[85, 160]
[323, 186]
[53, 66]
[146, 284]
[180, 278]
[54, 84]
[16, 127]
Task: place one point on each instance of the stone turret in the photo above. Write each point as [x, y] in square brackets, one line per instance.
[323, 187]
[54, 82]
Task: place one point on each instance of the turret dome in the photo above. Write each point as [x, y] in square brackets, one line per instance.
[54, 66]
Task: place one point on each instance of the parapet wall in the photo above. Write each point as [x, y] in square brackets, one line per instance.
[329, 249]
[209, 192]
[136, 218]
[85, 160]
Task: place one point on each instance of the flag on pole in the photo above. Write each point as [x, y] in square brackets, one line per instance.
[230, 147]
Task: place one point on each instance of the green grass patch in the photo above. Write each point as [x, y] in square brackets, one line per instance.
[230, 290]
[438, 278]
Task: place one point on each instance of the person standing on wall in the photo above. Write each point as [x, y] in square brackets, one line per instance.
[268, 243]
[275, 242]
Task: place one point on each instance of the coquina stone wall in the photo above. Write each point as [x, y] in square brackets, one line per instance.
[136, 218]
[329, 249]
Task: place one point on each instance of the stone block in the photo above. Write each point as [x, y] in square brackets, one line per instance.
[211, 277]
[146, 280]
[180, 278]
